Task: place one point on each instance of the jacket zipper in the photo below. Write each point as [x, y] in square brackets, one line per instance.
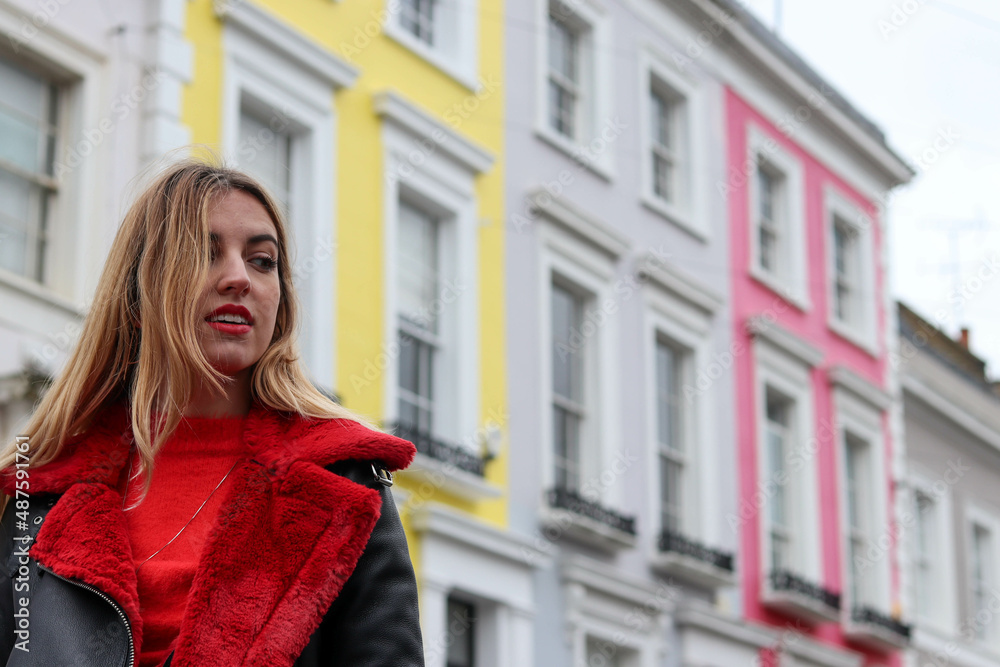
[104, 596]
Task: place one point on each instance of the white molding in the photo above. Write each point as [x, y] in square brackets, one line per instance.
[670, 278]
[843, 377]
[457, 23]
[774, 69]
[951, 410]
[519, 551]
[392, 106]
[823, 654]
[583, 225]
[696, 614]
[610, 581]
[445, 189]
[260, 74]
[945, 573]
[783, 339]
[597, 47]
[837, 205]
[763, 147]
[458, 482]
[267, 29]
[786, 374]
[689, 213]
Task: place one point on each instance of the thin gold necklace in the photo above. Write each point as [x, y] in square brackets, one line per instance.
[193, 516]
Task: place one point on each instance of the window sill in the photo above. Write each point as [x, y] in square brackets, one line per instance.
[599, 165]
[36, 291]
[434, 57]
[876, 630]
[563, 515]
[799, 301]
[686, 559]
[853, 336]
[675, 216]
[794, 596]
[450, 479]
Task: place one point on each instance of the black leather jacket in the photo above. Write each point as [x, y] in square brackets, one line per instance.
[372, 622]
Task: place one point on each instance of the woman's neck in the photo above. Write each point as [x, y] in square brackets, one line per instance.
[233, 402]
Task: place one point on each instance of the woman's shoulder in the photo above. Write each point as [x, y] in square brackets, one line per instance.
[323, 441]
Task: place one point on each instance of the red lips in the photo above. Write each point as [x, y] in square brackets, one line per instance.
[232, 309]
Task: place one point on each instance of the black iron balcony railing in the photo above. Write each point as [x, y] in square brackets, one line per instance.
[867, 615]
[783, 580]
[677, 543]
[439, 450]
[572, 501]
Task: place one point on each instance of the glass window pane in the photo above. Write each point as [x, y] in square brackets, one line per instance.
[461, 633]
[418, 267]
[265, 152]
[566, 344]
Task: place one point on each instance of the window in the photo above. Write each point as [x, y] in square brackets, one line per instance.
[278, 124]
[267, 155]
[847, 265]
[670, 435]
[442, 32]
[417, 18]
[564, 77]
[924, 534]
[851, 271]
[568, 412]
[858, 484]
[770, 218]
[778, 248]
[982, 558]
[28, 135]
[461, 633]
[419, 344]
[667, 111]
[574, 93]
[778, 447]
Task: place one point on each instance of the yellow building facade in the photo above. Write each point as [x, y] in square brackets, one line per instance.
[379, 125]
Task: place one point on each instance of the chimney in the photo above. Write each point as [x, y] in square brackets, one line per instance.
[963, 337]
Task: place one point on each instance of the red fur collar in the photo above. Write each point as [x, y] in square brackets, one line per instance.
[287, 536]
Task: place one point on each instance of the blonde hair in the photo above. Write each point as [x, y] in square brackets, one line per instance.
[160, 256]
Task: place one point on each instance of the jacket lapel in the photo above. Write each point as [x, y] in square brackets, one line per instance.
[287, 536]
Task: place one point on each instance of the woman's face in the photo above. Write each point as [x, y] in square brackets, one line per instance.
[240, 303]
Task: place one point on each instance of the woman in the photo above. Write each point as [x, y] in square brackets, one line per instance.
[184, 495]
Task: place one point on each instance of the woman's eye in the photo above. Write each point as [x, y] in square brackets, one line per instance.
[267, 263]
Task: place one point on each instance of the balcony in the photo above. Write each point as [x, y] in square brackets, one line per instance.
[794, 596]
[571, 514]
[682, 557]
[447, 466]
[876, 630]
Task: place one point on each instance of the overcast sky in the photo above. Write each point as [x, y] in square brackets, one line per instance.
[927, 72]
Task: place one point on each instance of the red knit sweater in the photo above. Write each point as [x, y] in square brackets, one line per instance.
[188, 467]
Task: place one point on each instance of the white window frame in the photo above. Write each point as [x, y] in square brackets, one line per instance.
[791, 283]
[495, 569]
[443, 185]
[976, 515]
[944, 574]
[275, 69]
[656, 69]
[590, 272]
[78, 204]
[602, 604]
[596, 68]
[781, 371]
[457, 23]
[838, 207]
[864, 422]
[687, 327]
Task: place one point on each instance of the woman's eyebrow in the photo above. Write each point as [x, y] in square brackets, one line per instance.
[259, 238]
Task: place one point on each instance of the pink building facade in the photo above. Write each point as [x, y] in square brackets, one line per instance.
[812, 325]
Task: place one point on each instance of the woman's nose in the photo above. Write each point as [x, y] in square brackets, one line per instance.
[233, 275]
